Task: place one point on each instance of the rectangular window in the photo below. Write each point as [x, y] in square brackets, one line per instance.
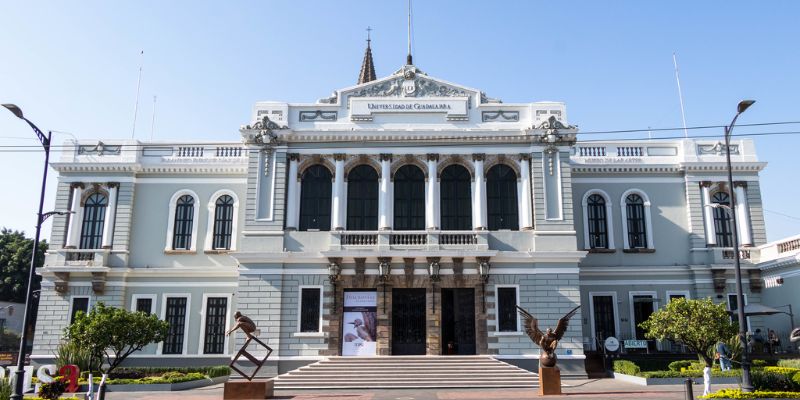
[506, 309]
[216, 313]
[144, 305]
[310, 299]
[176, 317]
[78, 304]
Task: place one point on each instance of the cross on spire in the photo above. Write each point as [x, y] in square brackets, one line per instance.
[367, 73]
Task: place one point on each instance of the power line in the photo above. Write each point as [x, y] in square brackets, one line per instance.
[783, 215]
[464, 141]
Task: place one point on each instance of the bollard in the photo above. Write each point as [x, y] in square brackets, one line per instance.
[688, 385]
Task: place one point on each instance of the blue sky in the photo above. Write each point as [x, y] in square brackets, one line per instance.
[73, 68]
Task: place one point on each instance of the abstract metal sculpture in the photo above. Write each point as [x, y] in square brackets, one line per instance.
[548, 341]
[248, 327]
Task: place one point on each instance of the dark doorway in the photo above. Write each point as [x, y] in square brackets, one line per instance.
[642, 308]
[408, 321]
[604, 318]
[458, 321]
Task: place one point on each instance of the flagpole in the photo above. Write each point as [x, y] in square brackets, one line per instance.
[680, 95]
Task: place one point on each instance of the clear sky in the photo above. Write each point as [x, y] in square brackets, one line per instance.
[73, 67]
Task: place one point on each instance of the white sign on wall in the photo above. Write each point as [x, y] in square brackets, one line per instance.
[359, 323]
[366, 107]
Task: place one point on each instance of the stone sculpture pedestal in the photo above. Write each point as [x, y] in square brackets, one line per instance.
[249, 390]
[549, 381]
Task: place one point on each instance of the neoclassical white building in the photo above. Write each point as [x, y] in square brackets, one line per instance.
[443, 207]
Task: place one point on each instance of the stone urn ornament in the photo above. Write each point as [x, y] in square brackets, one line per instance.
[549, 374]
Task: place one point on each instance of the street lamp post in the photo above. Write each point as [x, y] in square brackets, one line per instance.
[747, 385]
[40, 218]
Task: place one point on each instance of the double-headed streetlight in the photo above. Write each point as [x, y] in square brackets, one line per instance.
[747, 385]
[40, 218]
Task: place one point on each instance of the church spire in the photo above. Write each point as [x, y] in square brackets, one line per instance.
[367, 73]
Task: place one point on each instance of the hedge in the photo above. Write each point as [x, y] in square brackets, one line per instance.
[626, 367]
[758, 394]
[691, 373]
[790, 363]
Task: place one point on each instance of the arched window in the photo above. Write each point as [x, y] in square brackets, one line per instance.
[315, 199]
[362, 199]
[455, 188]
[409, 199]
[501, 198]
[722, 219]
[184, 221]
[223, 223]
[94, 216]
[597, 221]
[637, 223]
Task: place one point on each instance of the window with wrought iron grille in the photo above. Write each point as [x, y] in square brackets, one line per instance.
[223, 223]
[409, 199]
[722, 219]
[176, 318]
[637, 234]
[94, 216]
[184, 219]
[216, 314]
[596, 220]
[310, 309]
[144, 305]
[501, 198]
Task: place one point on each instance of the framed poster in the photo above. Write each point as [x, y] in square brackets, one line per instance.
[359, 323]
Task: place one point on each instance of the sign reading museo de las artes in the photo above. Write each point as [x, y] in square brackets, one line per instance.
[359, 325]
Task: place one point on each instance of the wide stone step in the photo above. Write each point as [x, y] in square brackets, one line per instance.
[400, 385]
[512, 375]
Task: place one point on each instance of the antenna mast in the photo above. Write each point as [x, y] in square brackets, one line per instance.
[138, 85]
[680, 95]
[408, 58]
[153, 121]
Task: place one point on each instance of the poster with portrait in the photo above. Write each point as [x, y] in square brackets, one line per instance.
[359, 324]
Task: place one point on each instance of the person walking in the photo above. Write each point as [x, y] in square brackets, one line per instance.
[724, 356]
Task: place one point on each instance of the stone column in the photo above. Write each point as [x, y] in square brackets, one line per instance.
[526, 209]
[432, 194]
[708, 213]
[111, 216]
[479, 202]
[337, 220]
[74, 229]
[742, 217]
[292, 200]
[384, 199]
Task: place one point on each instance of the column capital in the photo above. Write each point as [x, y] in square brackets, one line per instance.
[524, 157]
[408, 261]
[433, 157]
[74, 185]
[705, 184]
[385, 157]
[479, 157]
[113, 185]
[741, 184]
[293, 156]
[339, 157]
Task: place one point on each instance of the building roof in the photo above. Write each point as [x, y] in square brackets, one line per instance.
[367, 73]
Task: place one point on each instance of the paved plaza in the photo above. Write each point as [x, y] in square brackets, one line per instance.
[577, 389]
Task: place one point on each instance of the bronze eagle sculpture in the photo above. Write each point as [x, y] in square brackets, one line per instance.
[548, 341]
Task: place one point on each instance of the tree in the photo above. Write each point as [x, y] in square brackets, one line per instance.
[15, 264]
[698, 324]
[114, 333]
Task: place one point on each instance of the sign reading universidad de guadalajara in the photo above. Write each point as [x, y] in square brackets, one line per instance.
[360, 320]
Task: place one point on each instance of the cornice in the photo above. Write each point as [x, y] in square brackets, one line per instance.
[211, 169]
[96, 167]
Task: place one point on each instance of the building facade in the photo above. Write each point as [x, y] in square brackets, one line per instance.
[436, 207]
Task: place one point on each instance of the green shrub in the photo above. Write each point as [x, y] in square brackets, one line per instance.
[762, 363]
[68, 352]
[790, 363]
[54, 389]
[5, 389]
[690, 374]
[771, 381]
[215, 372]
[172, 375]
[626, 367]
[796, 380]
[758, 394]
[679, 365]
[788, 371]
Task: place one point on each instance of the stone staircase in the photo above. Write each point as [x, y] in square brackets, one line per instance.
[407, 372]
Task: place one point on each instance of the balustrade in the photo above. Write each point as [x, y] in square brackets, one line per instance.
[408, 239]
[189, 151]
[460, 238]
[630, 151]
[789, 245]
[592, 151]
[359, 239]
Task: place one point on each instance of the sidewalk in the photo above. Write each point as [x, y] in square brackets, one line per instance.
[577, 390]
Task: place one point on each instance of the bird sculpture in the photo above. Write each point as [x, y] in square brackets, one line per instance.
[362, 330]
[548, 340]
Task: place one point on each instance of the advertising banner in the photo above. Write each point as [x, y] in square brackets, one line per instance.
[360, 319]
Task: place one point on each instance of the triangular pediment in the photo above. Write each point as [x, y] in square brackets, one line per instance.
[408, 82]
